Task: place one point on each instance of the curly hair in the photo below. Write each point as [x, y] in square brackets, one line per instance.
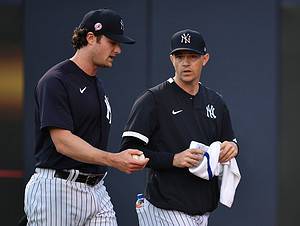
[79, 38]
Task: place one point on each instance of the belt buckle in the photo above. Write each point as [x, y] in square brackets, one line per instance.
[91, 180]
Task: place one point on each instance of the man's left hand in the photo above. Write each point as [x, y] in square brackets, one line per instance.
[228, 151]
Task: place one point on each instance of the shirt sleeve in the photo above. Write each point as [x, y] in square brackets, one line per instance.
[53, 107]
[142, 118]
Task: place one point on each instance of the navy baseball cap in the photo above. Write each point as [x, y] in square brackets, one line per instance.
[188, 40]
[106, 22]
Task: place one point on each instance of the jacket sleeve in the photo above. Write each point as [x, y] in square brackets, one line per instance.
[141, 123]
[157, 160]
[227, 133]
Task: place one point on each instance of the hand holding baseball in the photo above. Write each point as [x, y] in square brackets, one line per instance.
[129, 160]
[138, 157]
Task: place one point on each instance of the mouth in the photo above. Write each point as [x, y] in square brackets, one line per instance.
[111, 58]
[187, 71]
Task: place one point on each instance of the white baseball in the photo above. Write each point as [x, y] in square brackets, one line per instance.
[139, 157]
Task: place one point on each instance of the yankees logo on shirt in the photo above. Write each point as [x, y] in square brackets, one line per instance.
[210, 111]
[108, 109]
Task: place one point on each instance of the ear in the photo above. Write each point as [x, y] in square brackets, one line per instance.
[90, 37]
[205, 59]
[172, 59]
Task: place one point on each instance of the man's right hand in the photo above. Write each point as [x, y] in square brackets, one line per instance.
[188, 158]
[125, 162]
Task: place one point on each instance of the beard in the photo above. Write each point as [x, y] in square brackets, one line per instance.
[106, 64]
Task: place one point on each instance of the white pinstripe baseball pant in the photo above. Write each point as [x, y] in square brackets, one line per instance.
[53, 201]
[149, 215]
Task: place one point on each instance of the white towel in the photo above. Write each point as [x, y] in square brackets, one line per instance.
[210, 167]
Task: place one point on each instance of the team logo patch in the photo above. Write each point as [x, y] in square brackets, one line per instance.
[122, 25]
[98, 26]
[108, 109]
[210, 111]
[185, 38]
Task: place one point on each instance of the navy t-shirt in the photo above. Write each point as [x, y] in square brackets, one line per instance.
[67, 98]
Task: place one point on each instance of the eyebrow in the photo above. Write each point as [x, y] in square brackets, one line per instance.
[181, 54]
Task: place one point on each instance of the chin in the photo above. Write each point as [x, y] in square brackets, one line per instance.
[188, 78]
[107, 65]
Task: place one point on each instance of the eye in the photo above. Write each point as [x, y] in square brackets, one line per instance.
[113, 42]
[194, 56]
[179, 57]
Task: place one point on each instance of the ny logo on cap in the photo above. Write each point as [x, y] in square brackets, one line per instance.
[186, 38]
[122, 25]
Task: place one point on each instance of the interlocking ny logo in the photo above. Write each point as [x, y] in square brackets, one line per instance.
[122, 25]
[210, 111]
[186, 38]
[108, 108]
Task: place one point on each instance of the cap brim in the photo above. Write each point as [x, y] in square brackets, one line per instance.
[120, 38]
[187, 49]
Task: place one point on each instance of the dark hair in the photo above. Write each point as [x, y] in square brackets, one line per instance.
[79, 38]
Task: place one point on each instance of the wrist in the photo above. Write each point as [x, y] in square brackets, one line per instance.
[236, 147]
[174, 162]
[104, 158]
[109, 159]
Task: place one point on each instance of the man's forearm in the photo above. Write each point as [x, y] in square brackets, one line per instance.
[76, 148]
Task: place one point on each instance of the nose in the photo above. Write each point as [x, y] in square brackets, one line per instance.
[118, 48]
[186, 61]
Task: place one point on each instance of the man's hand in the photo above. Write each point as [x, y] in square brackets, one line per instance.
[188, 158]
[228, 151]
[124, 161]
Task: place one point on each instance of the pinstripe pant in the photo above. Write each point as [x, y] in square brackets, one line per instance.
[149, 215]
[53, 201]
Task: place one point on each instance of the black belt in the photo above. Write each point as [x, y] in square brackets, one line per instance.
[91, 180]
